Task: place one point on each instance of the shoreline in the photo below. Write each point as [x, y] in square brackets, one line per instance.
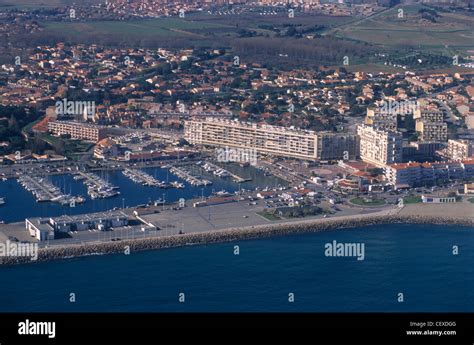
[391, 216]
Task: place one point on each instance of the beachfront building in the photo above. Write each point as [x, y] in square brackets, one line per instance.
[431, 199]
[266, 139]
[379, 147]
[402, 175]
[77, 130]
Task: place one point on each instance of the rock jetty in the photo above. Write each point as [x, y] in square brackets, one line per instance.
[234, 234]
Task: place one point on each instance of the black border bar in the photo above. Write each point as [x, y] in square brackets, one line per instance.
[241, 328]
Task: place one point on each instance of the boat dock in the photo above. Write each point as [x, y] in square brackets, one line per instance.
[139, 176]
[97, 188]
[145, 179]
[186, 175]
[221, 172]
[44, 191]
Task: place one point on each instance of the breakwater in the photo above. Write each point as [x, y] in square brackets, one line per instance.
[234, 234]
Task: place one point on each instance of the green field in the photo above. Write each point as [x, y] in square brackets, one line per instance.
[142, 28]
[452, 33]
[366, 40]
[412, 199]
[269, 216]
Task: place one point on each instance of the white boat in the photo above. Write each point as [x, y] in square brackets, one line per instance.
[177, 184]
[2, 201]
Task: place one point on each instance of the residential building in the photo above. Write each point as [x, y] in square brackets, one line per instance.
[459, 150]
[431, 115]
[77, 130]
[418, 174]
[432, 131]
[421, 151]
[379, 147]
[266, 139]
[384, 120]
[337, 146]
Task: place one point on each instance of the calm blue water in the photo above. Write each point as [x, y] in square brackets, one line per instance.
[21, 203]
[414, 259]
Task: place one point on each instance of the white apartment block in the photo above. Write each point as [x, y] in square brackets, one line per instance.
[459, 150]
[267, 139]
[379, 147]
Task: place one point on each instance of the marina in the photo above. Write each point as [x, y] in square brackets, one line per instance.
[221, 172]
[131, 193]
[97, 188]
[188, 177]
[45, 191]
[139, 176]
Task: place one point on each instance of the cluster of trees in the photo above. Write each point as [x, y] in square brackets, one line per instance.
[429, 14]
[298, 32]
[427, 60]
[12, 121]
[297, 212]
[321, 51]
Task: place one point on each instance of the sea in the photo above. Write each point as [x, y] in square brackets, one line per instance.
[405, 268]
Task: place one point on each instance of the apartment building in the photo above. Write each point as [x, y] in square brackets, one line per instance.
[404, 174]
[77, 130]
[337, 146]
[379, 147]
[432, 115]
[458, 150]
[421, 151]
[384, 120]
[417, 174]
[432, 131]
[267, 139]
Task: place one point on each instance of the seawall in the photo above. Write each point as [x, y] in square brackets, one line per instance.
[233, 234]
